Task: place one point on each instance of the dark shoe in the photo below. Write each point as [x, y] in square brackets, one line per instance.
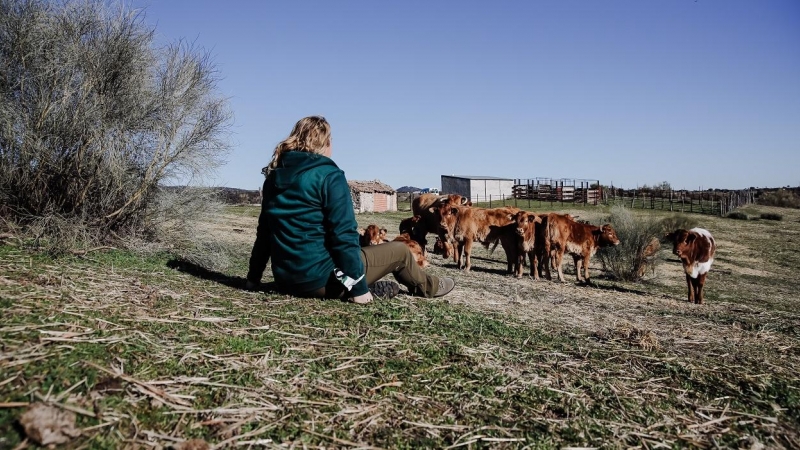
[385, 289]
[446, 284]
[252, 286]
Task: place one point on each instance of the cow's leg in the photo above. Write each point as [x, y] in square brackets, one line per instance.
[558, 262]
[586, 268]
[518, 266]
[578, 259]
[544, 262]
[534, 265]
[467, 254]
[512, 258]
[690, 286]
[700, 283]
[419, 233]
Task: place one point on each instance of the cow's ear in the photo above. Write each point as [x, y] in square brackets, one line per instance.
[361, 231]
[690, 238]
[469, 203]
[536, 219]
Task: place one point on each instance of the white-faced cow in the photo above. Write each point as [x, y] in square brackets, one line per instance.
[695, 248]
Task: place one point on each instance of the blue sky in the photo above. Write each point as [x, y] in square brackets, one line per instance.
[697, 93]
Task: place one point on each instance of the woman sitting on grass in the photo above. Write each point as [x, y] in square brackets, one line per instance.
[308, 227]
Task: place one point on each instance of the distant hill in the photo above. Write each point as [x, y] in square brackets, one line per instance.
[408, 189]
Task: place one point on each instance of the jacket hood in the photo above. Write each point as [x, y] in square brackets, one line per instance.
[293, 163]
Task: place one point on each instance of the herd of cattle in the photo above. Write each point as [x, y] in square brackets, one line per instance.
[544, 238]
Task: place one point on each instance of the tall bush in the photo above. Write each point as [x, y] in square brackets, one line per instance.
[94, 117]
[639, 237]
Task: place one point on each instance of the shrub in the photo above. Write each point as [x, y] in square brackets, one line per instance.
[179, 217]
[781, 198]
[737, 215]
[771, 216]
[676, 222]
[94, 118]
[639, 243]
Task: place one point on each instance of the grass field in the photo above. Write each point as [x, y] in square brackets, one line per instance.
[150, 352]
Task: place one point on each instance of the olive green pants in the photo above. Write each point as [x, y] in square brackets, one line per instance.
[380, 260]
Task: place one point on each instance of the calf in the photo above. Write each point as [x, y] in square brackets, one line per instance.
[524, 236]
[372, 235]
[426, 207]
[507, 237]
[463, 225]
[695, 248]
[531, 230]
[580, 240]
[416, 249]
[407, 225]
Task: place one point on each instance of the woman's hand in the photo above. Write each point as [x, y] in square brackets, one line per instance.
[362, 299]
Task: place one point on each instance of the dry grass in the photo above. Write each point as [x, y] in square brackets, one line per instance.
[150, 357]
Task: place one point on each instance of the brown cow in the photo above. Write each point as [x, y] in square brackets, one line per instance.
[463, 225]
[426, 206]
[524, 236]
[695, 248]
[532, 231]
[416, 249]
[372, 235]
[580, 240]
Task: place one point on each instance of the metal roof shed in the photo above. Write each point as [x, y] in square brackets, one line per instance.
[478, 188]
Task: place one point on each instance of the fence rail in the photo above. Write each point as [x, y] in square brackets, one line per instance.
[712, 202]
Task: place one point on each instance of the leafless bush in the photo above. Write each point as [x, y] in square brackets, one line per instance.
[639, 240]
[59, 235]
[177, 217]
[94, 118]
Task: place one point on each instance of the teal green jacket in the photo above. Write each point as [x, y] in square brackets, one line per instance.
[307, 225]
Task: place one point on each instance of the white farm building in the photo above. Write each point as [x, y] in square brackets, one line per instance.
[478, 188]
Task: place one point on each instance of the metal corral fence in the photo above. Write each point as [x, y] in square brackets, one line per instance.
[537, 196]
[715, 202]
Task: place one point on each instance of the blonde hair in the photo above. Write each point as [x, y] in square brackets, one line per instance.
[310, 134]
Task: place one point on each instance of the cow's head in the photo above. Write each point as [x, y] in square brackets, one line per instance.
[372, 235]
[407, 225]
[448, 215]
[526, 223]
[606, 236]
[682, 241]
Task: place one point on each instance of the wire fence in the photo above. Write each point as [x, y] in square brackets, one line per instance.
[713, 202]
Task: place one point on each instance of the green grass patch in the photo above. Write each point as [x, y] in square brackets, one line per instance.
[184, 353]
